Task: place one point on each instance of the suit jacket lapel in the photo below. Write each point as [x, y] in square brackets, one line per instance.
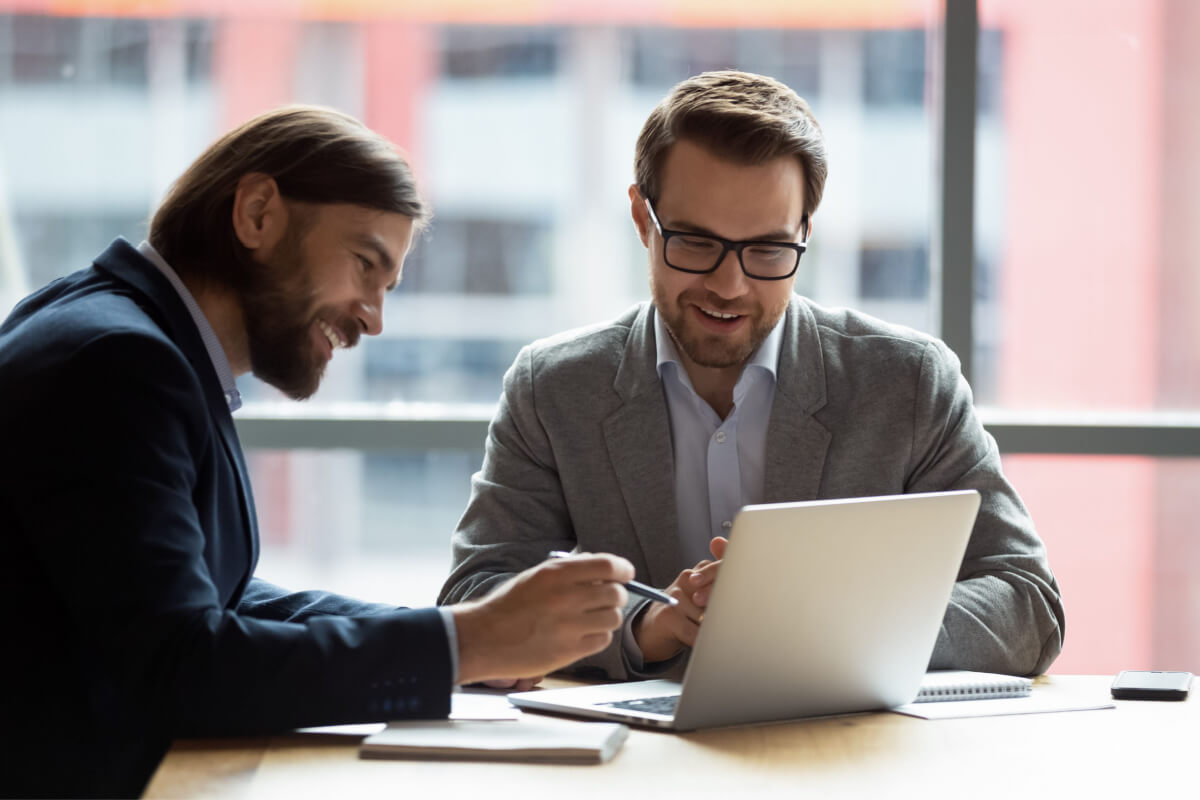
[796, 441]
[123, 261]
[638, 435]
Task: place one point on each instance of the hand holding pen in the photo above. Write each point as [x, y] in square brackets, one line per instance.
[633, 586]
[662, 631]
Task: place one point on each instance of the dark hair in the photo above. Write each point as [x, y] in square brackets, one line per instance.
[316, 156]
[746, 118]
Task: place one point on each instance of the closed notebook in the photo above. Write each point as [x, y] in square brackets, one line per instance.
[538, 739]
[944, 685]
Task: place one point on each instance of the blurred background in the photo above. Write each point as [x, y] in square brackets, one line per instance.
[520, 121]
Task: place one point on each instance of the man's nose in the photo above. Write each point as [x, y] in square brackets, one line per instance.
[370, 315]
[727, 280]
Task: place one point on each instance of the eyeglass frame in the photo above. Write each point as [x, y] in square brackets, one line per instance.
[728, 244]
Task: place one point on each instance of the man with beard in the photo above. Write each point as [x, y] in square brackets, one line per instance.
[127, 528]
[644, 436]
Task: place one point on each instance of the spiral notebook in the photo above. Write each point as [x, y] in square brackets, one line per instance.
[947, 685]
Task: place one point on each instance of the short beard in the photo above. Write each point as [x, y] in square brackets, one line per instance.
[709, 350]
[276, 300]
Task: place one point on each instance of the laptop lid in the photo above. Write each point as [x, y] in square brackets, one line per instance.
[821, 607]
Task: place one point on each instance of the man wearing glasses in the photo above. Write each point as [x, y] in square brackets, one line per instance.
[644, 436]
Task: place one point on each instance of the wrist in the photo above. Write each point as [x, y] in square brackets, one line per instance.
[469, 623]
[653, 645]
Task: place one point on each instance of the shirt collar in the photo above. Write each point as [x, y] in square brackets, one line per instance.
[212, 344]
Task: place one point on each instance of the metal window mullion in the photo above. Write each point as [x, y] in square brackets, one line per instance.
[954, 241]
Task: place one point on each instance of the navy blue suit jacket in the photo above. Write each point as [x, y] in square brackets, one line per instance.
[127, 549]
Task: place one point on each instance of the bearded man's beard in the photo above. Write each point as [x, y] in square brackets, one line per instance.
[277, 305]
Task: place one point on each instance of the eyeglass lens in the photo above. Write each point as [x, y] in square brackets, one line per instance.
[700, 254]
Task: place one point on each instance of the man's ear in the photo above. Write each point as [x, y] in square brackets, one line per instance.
[641, 217]
[259, 213]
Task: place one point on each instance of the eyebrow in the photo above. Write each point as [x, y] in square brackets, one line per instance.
[373, 243]
[779, 235]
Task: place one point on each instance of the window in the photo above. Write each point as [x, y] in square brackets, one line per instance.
[661, 57]
[499, 52]
[893, 272]
[481, 256]
[894, 68]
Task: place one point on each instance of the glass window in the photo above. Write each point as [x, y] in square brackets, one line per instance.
[894, 68]
[481, 256]
[531, 233]
[1125, 557]
[499, 52]
[894, 272]
[386, 538]
[1087, 196]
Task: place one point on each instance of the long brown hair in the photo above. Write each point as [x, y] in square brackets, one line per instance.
[316, 156]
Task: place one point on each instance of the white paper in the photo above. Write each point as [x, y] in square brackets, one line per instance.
[482, 705]
[1035, 703]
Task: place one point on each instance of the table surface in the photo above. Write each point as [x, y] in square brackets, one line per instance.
[1136, 749]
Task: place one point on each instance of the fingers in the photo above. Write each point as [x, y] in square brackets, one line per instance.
[683, 625]
[717, 547]
[588, 567]
[566, 601]
[662, 631]
[701, 581]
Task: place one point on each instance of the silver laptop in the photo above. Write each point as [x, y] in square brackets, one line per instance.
[823, 607]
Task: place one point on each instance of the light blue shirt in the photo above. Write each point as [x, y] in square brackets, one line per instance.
[220, 362]
[719, 463]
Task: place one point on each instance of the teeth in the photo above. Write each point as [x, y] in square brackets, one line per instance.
[719, 315]
[335, 338]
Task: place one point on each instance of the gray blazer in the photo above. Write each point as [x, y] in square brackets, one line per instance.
[579, 454]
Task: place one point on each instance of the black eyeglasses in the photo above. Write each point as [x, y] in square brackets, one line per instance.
[700, 253]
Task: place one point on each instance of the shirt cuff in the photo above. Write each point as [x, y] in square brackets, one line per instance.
[451, 640]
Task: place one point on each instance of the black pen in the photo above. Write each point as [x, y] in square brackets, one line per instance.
[633, 586]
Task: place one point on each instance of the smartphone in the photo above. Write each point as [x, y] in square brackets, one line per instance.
[1151, 685]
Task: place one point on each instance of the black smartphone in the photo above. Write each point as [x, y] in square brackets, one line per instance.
[1151, 685]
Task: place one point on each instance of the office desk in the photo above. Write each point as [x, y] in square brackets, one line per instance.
[1138, 749]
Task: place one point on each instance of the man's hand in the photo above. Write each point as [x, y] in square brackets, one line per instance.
[542, 619]
[660, 630]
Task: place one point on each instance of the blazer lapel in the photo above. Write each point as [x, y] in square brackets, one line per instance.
[796, 441]
[124, 261]
[638, 435]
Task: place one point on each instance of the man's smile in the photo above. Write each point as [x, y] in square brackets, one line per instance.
[336, 340]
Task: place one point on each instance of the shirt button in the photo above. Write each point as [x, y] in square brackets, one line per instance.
[726, 524]
[720, 436]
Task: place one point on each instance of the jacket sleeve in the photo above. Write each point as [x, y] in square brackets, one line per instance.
[517, 512]
[1005, 612]
[118, 444]
[265, 600]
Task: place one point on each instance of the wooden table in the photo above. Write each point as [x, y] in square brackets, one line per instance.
[1138, 749]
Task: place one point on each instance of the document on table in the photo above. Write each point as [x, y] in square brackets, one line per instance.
[1038, 702]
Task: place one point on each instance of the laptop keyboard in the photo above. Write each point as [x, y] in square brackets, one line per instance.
[654, 705]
